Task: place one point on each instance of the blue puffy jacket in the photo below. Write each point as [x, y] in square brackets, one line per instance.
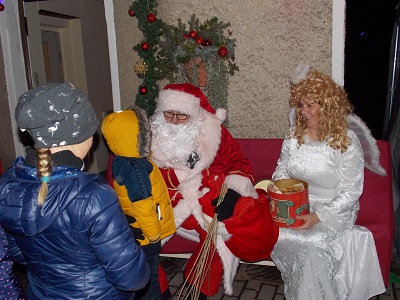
[10, 288]
[78, 245]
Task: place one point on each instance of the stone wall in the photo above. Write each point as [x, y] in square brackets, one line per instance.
[271, 38]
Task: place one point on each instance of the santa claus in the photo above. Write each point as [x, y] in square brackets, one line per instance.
[197, 156]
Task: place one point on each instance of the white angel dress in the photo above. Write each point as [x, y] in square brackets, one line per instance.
[334, 259]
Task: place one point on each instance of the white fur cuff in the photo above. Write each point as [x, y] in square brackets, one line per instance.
[242, 185]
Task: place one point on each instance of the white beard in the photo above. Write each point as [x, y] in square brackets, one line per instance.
[172, 144]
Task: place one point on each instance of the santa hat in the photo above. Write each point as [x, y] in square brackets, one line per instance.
[188, 99]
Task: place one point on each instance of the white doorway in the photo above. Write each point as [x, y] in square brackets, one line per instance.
[68, 43]
[54, 47]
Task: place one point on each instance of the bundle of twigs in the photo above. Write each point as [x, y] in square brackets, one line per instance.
[202, 265]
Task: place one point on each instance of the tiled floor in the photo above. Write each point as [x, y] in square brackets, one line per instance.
[248, 289]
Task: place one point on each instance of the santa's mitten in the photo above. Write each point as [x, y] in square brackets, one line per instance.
[227, 206]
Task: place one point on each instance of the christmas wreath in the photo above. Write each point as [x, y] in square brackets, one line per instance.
[176, 53]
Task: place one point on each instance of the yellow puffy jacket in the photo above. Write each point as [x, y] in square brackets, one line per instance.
[128, 135]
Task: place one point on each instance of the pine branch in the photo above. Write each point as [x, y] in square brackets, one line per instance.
[169, 47]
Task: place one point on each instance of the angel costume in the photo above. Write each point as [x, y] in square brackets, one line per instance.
[334, 259]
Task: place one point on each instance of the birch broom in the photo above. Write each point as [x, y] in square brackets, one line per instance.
[202, 265]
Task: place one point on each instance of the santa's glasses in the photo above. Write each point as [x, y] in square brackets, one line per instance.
[171, 114]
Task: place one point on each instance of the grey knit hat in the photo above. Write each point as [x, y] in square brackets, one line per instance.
[56, 115]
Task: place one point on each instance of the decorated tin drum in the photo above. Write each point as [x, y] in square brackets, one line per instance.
[291, 202]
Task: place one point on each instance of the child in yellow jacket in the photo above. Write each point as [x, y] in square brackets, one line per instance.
[140, 186]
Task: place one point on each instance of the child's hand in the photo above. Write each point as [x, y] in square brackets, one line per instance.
[137, 232]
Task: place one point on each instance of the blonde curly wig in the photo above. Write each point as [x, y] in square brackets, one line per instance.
[335, 106]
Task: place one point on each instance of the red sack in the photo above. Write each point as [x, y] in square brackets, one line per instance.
[253, 232]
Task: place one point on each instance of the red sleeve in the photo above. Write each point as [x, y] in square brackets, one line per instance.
[229, 159]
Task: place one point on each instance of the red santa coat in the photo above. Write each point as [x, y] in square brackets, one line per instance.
[249, 234]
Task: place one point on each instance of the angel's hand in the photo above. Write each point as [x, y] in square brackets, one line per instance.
[309, 221]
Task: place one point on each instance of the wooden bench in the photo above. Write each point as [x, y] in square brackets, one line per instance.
[376, 202]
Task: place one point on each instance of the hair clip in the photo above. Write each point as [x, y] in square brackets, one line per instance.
[45, 179]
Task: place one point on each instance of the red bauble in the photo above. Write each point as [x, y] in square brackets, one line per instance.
[151, 18]
[143, 90]
[186, 36]
[131, 12]
[1, 7]
[207, 43]
[193, 34]
[199, 40]
[222, 51]
[145, 46]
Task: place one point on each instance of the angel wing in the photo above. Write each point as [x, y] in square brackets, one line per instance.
[368, 144]
[300, 72]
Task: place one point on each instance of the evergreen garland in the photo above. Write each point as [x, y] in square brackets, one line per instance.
[170, 51]
[151, 33]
